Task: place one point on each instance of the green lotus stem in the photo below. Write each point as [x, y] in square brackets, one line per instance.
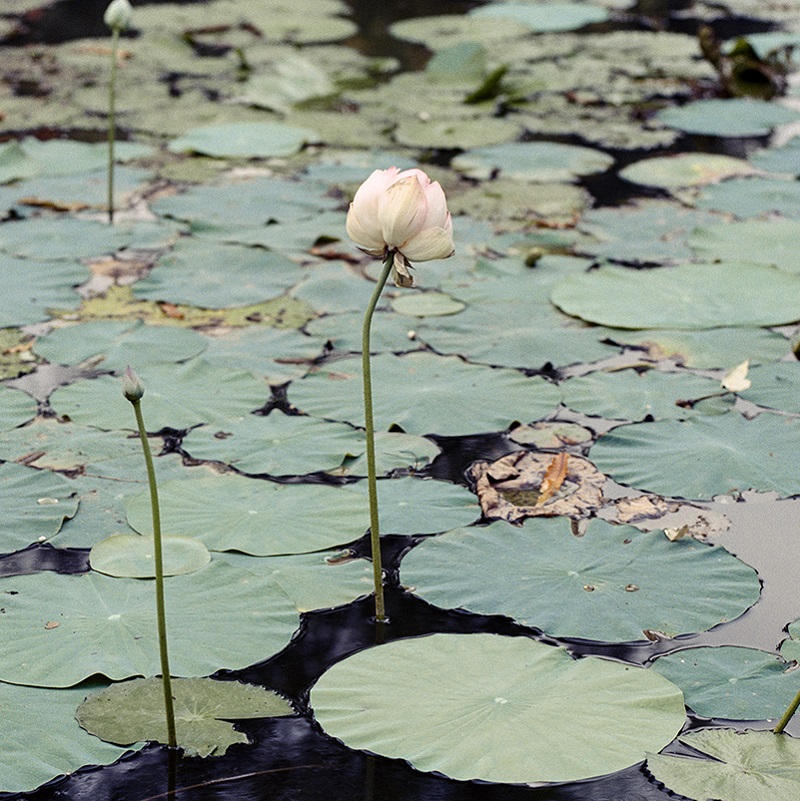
[112, 120]
[787, 715]
[372, 479]
[159, 565]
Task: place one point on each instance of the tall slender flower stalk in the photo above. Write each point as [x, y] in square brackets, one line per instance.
[787, 715]
[133, 390]
[118, 18]
[398, 216]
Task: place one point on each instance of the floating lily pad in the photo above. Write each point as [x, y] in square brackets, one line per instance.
[651, 232]
[551, 435]
[731, 682]
[545, 17]
[32, 288]
[743, 766]
[114, 345]
[16, 408]
[449, 30]
[760, 241]
[612, 585]
[703, 456]
[175, 397]
[263, 518]
[244, 139]
[132, 556]
[200, 273]
[41, 739]
[500, 709]
[790, 647]
[418, 392]
[785, 159]
[775, 386]
[689, 296]
[134, 711]
[543, 162]
[684, 170]
[728, 118]
[752, 197]
[34, 505]
[393, 451]
[459, 132]
[60, 629]
[427, 304]
[631, 395]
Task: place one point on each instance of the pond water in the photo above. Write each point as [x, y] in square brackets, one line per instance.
[556, 296]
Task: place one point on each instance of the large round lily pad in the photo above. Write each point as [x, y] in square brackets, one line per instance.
[264, 518]
[133, 556]
[613, 584]
[731, 682]
[16, 408]
[61, 629]
[703, 456]
[501, 709]
[684, 170]
[244, 139]
[40, 738]
[730, 117]
[420, 391]
[691, 296]
[545, 17]
[134, 711]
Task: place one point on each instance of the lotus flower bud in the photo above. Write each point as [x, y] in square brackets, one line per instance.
[118, 15]
[132, 387]
[404, 213]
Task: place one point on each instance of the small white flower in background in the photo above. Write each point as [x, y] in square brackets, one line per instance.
[404, 213]
[736, 380]
[118, 15]
[132, 387]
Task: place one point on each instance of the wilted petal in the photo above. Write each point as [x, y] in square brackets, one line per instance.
[432, 243]
[401, 211]
[401, 274]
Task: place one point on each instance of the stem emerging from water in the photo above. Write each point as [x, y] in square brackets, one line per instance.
[159, 565]
[372, 480]
[112, 121]
[787, 715]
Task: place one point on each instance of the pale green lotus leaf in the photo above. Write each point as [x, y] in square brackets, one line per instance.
[419, 391]
[684, 170]
[264, 518]
[115, 345]
[462, 132]
[545, 17]
[427, 304]
[703, 456]
[613, 584]
[134, 711]
[731, 682]
[133, 556]
[441, 31]
[41, 739]
[34, 505]
[743, 766]
[61, 629]
[499, 709]
[784, 159]
[752, 197]
[16, 408]
[244, 139]
[775, 386]
[729, 118]
[688, 296]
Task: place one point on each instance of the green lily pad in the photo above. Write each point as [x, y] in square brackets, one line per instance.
[16, 358]
[689, 296]
[684, 170]
[175, 397]
[134, 711]
[611, 585]
[393, 451]
[703, 456]
[790, 647]
[752, 197]
[775, 386]
[42, 740]
[34, 505]
[244, 139]
[447, 30]
[631, 395]
[545, 17]
[649, 232]
[61, 629]
[114, 345]
[743, 766]
[460, 132]
[418, 392]
[16, 408]
[32, 288]
[191, 274]
[500, 709]
[132, 556]
[544, 162]
[731, 682]
[427, 304]
[263, 518]
[759, 241]
[728, 118]
[785, 159]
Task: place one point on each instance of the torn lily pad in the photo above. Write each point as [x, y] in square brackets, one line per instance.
[134, 711]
